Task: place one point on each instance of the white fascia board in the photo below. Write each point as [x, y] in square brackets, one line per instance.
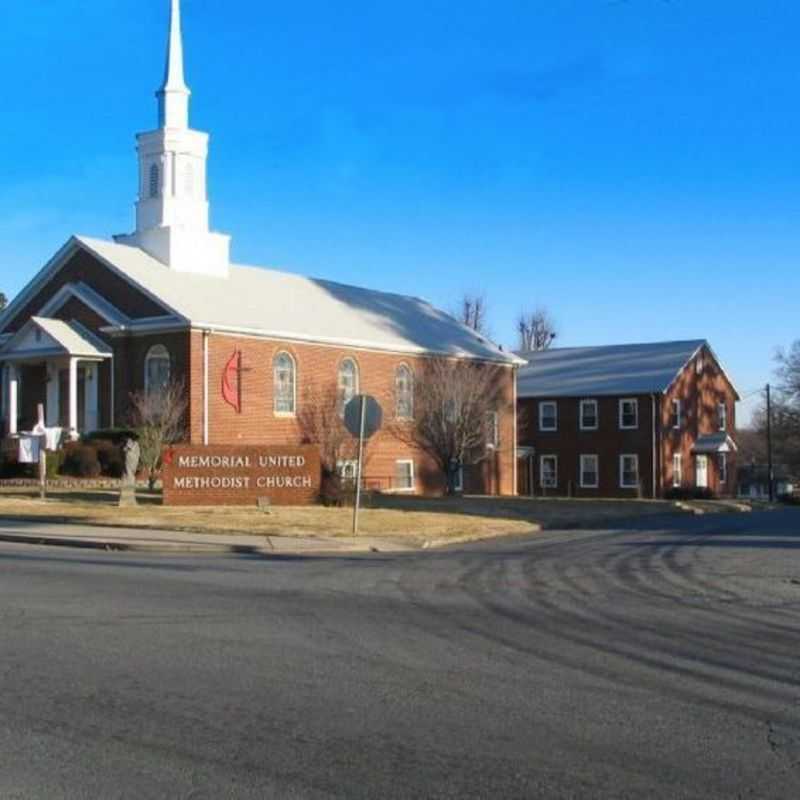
[89, 297]
[354, 344]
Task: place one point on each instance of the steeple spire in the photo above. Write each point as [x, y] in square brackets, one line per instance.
[173, 96]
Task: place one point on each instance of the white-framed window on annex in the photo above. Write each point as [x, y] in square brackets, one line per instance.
[404, 475]
[677, 470]
[493, 430]
[404, 392]
[548, 415]
[588, 415]
[722, 467]
[590, 471]
[628, 413]
[629, 471]
[348, 471]
[346, 383]
[157, 369]
[548, 472]
[722, 416]
[676, 417]
[284, 383]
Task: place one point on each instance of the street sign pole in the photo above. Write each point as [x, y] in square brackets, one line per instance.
[360, 460]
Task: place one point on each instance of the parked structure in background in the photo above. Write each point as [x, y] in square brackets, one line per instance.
[644, 420]
[753, 482]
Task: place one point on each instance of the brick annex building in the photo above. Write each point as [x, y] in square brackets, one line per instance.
[104, 319]
[626, 421]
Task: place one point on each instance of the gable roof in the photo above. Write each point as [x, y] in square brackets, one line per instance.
[61, 337]
[626, 369]
[282, 305]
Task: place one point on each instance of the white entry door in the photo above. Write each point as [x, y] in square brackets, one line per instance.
[701, 472]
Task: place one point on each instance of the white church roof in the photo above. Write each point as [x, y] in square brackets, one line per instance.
[284, 305]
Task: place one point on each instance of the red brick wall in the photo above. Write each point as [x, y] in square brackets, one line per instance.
[699, 395]
[317, 368]
[608, 443]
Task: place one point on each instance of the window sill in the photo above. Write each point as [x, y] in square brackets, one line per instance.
[284, 414]
[595, 428]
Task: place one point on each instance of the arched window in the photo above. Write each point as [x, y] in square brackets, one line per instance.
[404, 392]
[157, 369]
[155, 180]
[284, 384]
[347, 383]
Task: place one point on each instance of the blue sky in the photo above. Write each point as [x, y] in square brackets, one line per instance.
[631, 164]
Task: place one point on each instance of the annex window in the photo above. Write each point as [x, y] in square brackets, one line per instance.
[154, 181]
[590, 472]
[404, 475]
[589, 419]
[348, 471]
[677, 470]
[676, 418]
[458, 481]
[347, 383]
[157, 369]
[284, 383]
[722, 416]
[404, 392]
[629, 471]
[723, 468]
[548, 472]
[628, 413]
[548, 416]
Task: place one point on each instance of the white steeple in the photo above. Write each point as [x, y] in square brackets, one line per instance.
[173, 96]
[172, 210]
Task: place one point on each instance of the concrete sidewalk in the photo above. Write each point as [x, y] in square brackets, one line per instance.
[166, 542]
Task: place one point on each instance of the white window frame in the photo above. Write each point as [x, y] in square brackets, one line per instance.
[542, 405]
[413, 472]
[596, 458]
[622, 402]
[458, 484]
[677, 411]
[596, 415]
[722, 416]
[677, 470]
[722, 468]
[622, 484]
[340, 398]
[494, 430]
[343, 464]
[276, 411]
[158, 352]
[410, 391]
[542, 459]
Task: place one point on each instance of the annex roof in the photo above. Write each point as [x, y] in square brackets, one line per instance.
[267, 302]
[710, 443]
[609, 370]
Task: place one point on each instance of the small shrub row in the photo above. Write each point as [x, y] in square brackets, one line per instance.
[91, 459]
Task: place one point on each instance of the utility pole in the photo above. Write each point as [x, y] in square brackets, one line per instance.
[770, 475]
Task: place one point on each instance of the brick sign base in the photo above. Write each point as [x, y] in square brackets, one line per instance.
[235, 475]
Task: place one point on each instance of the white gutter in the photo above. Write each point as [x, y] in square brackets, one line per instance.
[205, 387]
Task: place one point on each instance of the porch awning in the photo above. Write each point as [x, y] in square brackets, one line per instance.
[711, 443]
[43, 337]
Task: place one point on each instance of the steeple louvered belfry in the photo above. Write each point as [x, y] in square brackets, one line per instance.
[172, 212]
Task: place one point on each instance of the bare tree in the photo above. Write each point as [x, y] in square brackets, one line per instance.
[321, 423]
[473, 312]
[159, 419]
[455, 408]
[788, 372]
[536, 330]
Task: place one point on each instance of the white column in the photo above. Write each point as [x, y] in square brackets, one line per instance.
[91, 397]
[13, 398]
[53, 394]
[73, 398]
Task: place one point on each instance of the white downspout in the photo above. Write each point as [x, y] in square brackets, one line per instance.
[655, 467]
[514, 451]
[112, 415]
[205, 388]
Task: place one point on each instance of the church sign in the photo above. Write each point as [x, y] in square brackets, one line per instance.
[235, 475]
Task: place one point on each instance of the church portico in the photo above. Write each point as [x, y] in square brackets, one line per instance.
[55, 364]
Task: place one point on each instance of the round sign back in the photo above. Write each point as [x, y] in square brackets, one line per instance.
[373, 415]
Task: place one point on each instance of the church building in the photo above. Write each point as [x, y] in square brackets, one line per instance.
[107, 318]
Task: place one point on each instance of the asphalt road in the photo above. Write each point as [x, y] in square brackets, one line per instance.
[641, 664]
